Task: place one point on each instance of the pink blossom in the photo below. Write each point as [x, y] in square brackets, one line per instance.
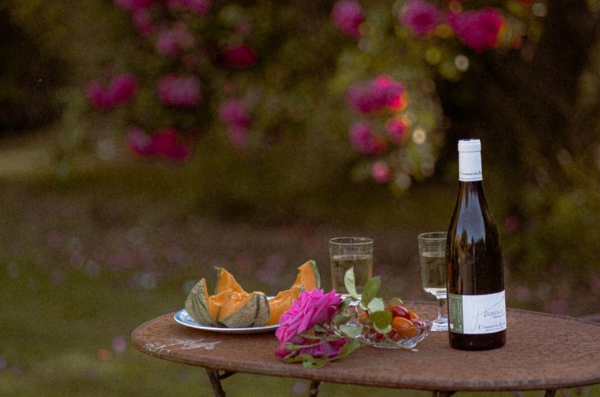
[96, 94]
[381, 172]
[396, 128]
[421, 17]
[178, 90]
[167, 43]
[134, 5]
[120, 90]
[233, 112]
[382, 92]
[170, 42]
[364, 139]
[238, 136]
[142, 22]
[477, 29]
[312, 308]
[347, 15]
[165, 143]
[239, 56]
[139, 142]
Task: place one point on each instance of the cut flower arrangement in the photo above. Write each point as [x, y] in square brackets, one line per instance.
[321, 327]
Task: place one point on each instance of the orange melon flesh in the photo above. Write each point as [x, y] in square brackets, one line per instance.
[231, 306]
[281, 303]
[308, 278]
[226, 282]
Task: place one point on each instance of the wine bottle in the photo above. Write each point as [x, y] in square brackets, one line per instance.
[475, 276]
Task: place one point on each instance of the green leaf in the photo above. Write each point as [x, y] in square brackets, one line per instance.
[348, 348]
[370, 290]
[350, 283]
[350, 331]
[381, 321]
[376, 305]
[341, 319]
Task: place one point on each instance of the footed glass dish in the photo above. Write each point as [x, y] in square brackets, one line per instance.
[394, 341]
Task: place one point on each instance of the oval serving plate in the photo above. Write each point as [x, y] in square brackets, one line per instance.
[183, 318]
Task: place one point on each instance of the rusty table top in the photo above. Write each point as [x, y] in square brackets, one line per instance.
[542, 352]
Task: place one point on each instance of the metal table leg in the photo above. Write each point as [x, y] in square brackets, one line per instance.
[215, 376]
[439, 393]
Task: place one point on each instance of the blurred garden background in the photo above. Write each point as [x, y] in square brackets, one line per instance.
[143, 142]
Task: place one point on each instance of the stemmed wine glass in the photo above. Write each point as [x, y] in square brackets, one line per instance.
[432, 255]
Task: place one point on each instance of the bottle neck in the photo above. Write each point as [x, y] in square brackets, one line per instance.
[469, 167]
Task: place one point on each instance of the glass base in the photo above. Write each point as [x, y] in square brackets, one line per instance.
[440, 324]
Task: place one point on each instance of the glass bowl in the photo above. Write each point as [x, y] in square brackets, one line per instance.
[372, 338]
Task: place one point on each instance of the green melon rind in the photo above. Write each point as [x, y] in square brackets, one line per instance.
[197, 307]
[316, 273]
[255, 313]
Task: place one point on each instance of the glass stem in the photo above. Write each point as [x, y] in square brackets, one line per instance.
[442, 308]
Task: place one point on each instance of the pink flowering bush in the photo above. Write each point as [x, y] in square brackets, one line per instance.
[218, 66]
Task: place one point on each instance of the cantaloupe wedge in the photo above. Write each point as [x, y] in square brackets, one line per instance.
[231, 306]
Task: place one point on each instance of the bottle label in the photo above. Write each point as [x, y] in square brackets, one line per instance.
[477, 314]
[469, 166]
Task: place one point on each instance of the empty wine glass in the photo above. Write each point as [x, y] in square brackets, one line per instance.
[432, 255]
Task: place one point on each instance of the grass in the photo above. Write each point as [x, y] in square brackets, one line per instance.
[83, 263]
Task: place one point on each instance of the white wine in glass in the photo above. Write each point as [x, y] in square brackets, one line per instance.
[432, 255]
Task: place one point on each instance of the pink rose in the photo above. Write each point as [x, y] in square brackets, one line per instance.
[347, 15]
[142, 22]
[179, 90]
[233, 112]
[421, 17]
[396, 128]
[139, 142]
[165, 143]
[477, 29]
[312, 308]
[381, 172]
[239, 56]
[122, 88]
[364, 139]
[381, 93]
[167, 43]
[96, 94]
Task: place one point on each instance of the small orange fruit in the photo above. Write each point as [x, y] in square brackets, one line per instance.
[404, 327]
[413, 315]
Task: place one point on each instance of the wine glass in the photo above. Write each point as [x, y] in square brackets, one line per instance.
[432, 255]
[354, 253]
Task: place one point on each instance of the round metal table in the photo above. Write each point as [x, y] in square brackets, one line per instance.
[543, 352]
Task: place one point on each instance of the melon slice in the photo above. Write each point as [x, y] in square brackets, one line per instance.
[243, 310]
[231, 306]
[226, 282]
[308, 278]
[202, 307]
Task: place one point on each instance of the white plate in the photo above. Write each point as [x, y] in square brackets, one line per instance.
[183, 318]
